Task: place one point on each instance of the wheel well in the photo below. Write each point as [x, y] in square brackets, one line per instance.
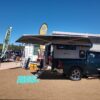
[76, 67]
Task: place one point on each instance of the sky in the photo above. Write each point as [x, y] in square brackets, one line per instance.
[26, 16]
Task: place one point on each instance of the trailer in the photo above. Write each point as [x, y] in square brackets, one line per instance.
[77, 54]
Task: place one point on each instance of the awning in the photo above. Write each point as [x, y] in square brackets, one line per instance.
[55, 39]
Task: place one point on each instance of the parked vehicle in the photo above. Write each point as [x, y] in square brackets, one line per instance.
[78, 54]
[75, 60]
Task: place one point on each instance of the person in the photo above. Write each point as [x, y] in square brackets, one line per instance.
[41, 58]
[27, 63]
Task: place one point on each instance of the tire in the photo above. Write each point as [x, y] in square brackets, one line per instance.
[75, 74]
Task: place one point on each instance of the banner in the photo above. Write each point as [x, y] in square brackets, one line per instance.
[43, 29]
[6, 42]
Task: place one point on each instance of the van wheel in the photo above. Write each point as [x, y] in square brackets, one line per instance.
[75, 74]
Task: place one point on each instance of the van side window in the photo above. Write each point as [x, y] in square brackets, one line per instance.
[36, 48]
[66, 47]
[82, 54]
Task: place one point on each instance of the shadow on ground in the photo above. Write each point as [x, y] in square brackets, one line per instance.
[51, 75]
[58, 76]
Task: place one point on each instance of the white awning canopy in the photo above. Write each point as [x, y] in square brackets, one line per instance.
[55, 39]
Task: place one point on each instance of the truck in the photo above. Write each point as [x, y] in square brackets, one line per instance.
[77, 55]
[75, 60]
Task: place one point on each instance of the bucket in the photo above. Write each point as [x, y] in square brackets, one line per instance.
[33, 67]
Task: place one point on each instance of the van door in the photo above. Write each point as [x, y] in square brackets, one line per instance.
[92, 63]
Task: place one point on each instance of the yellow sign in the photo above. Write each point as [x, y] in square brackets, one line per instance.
[43, 29]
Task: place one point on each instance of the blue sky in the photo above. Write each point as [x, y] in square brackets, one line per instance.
[26, 16]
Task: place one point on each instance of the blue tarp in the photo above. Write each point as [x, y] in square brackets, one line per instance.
[27, 79]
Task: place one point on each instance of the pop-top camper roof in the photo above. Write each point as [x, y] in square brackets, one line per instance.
[75, 34]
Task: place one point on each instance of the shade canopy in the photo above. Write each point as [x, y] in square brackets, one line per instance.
[55, 39]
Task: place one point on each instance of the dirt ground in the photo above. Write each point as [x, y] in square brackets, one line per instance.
[52, 86]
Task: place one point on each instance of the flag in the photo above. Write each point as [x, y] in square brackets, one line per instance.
[6, 42]
[43, 29]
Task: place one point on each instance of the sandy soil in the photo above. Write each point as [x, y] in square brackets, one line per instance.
[51, 87]
[8, 65]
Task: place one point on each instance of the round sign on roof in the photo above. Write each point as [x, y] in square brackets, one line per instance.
[43, 29]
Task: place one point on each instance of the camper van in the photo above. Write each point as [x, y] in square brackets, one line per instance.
[75, 60]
